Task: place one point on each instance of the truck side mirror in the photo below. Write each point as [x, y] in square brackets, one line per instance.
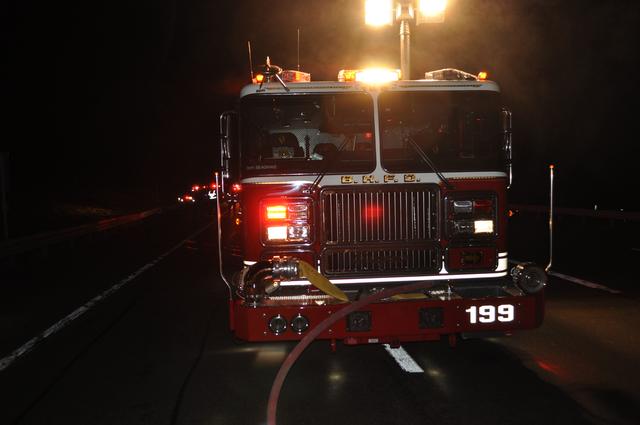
[227, 130]
[507, 143]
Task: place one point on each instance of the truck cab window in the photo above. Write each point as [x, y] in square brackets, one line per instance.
[459, 131]
[307, 134]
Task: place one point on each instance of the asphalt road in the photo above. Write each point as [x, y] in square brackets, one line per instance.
[158, 351]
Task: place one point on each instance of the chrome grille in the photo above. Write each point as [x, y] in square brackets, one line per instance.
[392, 230]
[394, 213]
[356, 261]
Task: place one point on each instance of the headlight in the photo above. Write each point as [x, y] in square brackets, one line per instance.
[286, 221]
[471, 215]
[483, 226]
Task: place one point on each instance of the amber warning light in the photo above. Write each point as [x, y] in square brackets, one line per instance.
[287, 75]
[275, 212]
[369, 75]
[288, 222]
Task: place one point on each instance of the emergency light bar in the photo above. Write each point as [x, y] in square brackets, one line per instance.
[369, 75]
[288, 76]
[292, 76]
[431, 11]
[454, 74]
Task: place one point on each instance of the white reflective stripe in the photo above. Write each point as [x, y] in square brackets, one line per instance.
[503, 264]
[277, 180]
[402, 279]
[503, 254]
[249, 263]
[403, 359]
[583, 282]
[378, 175]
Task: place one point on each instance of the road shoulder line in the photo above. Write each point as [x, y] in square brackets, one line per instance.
[583, 282]
[7, 361]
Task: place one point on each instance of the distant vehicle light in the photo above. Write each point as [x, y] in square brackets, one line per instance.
[259, 78]
[378, 13]
[236, 187]
[482, 76]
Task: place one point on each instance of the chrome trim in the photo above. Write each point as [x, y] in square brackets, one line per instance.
[403, 279]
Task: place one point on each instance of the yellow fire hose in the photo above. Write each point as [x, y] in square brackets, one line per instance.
[321, 282]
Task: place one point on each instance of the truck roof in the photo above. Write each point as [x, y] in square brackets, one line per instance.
[274, 87]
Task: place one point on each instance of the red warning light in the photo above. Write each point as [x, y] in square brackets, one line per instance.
[372, 212]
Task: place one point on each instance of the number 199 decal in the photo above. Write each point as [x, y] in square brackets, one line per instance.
[489, 313]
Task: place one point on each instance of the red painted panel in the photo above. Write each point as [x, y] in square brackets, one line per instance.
[398, 320]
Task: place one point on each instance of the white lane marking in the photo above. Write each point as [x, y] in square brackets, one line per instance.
[403, 358]
[583, 282]
[31, 344]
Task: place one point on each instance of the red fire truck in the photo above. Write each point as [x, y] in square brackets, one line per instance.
[334, 191]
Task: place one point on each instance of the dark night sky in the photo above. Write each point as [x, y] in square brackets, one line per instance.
[118, 101]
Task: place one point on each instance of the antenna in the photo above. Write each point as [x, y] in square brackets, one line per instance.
[250, 61]
[298, 49]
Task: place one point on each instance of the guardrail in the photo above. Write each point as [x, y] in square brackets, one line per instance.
[28, 243]
[41, 240]
[579, 212]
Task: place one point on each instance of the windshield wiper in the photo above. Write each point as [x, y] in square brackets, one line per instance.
[428, 161]
[327, 166]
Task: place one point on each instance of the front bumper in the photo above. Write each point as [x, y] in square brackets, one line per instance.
[466, 309]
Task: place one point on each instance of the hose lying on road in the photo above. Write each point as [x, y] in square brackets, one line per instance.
[316, 331]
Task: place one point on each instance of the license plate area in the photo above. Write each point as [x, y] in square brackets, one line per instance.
[489, 314]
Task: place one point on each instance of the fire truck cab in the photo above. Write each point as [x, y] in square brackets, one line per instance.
[332, 191]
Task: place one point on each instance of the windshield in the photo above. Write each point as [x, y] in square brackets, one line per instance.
[307, 134]
[457, 130]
